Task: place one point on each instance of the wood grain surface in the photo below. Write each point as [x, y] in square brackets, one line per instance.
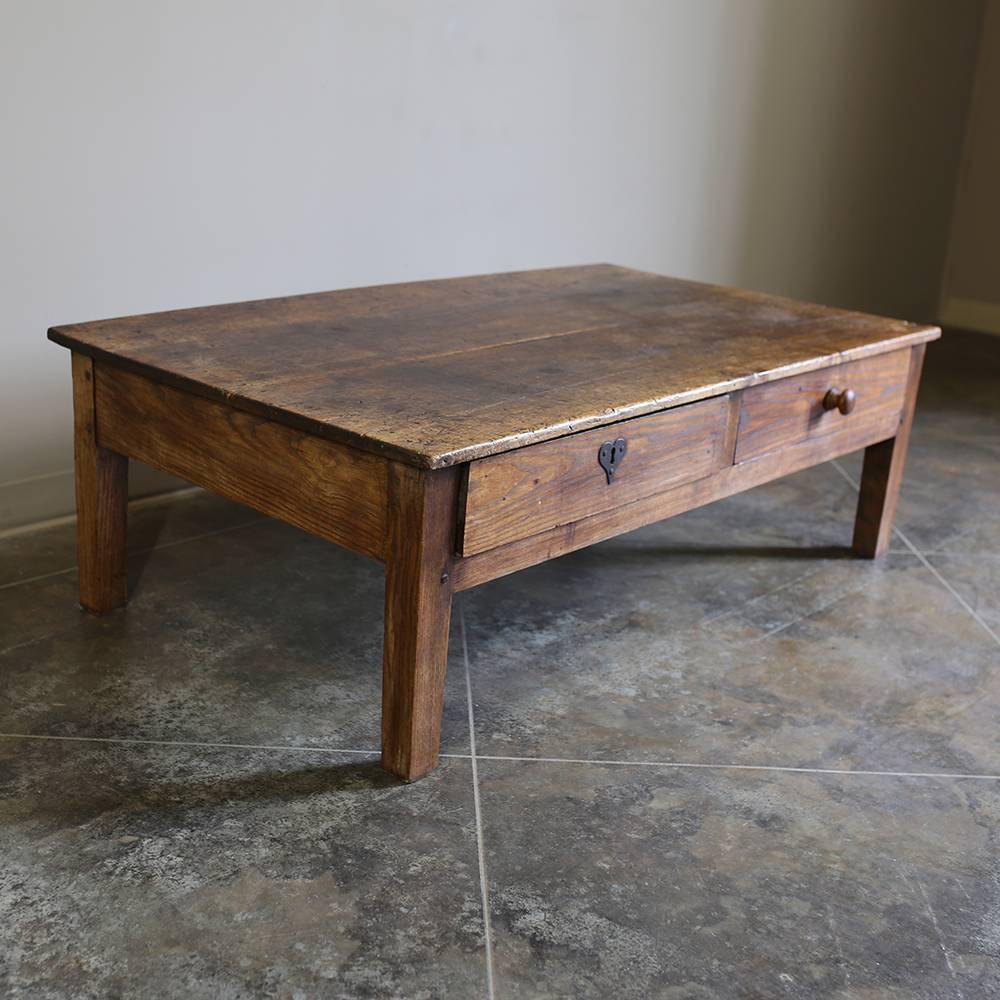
[882, 474]
[557, 541]
[418, 591]
[521, 493]
[782, 413]
[101, 502]
[328, 489]
[442, 372]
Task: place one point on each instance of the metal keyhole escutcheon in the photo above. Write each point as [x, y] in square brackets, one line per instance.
[609, 457]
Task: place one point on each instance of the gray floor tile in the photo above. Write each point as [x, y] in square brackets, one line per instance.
[952, 476]
[952, 482]
[169, 873]
[977, 578]
[651, 883]
[740, 633]
[51, 550]
[261, 635]
[744, 632]
[646, 651]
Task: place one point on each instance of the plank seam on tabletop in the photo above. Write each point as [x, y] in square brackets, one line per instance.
[480, 847]
[923, 559]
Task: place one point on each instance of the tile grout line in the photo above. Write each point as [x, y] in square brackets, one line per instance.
[818, 610]
[131, 741]
[480, 846]
[35, 579]
[135, 552]
[37, 478]
[923, 559]
[731, 612]
[192, 744]
[738, 767]
[134, 504]
[951, 590]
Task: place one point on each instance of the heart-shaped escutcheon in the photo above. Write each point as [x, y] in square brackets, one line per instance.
[610, 455]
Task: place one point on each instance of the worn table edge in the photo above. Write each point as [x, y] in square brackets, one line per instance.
[440, 460]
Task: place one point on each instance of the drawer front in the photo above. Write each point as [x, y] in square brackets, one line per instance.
[792, 411]
[521, 493]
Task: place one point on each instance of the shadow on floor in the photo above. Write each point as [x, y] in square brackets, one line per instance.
[339, 777]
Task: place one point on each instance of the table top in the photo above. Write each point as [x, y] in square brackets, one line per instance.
[440, 372]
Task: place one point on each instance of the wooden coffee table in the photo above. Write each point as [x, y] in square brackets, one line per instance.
[459, 430]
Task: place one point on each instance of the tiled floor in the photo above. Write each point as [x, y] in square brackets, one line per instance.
[714, 758]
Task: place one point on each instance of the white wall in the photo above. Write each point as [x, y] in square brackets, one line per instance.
[158, 155]
[970, 293]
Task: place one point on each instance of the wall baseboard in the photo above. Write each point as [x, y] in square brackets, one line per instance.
[969, 314]
[25, 503]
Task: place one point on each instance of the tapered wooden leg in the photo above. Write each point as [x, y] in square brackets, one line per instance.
[101, 502]
[882, 475]
[419, 546]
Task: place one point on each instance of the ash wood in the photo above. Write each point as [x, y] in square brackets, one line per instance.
[780, 414]
[332, 491]
[524, 492]
[444, 372]
[882, 474]
[418, 590]
[101, 502]
[482, 568]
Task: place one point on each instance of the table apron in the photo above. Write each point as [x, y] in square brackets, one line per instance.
[330, 490]
[821, 443]
[344, 495]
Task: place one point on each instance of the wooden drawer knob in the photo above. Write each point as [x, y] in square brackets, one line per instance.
[843, 400]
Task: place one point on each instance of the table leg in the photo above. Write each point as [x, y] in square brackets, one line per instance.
[101, 502]
[418, 590]
[882, 475]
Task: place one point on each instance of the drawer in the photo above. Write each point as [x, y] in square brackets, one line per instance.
[791, 411]
[521, 493]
